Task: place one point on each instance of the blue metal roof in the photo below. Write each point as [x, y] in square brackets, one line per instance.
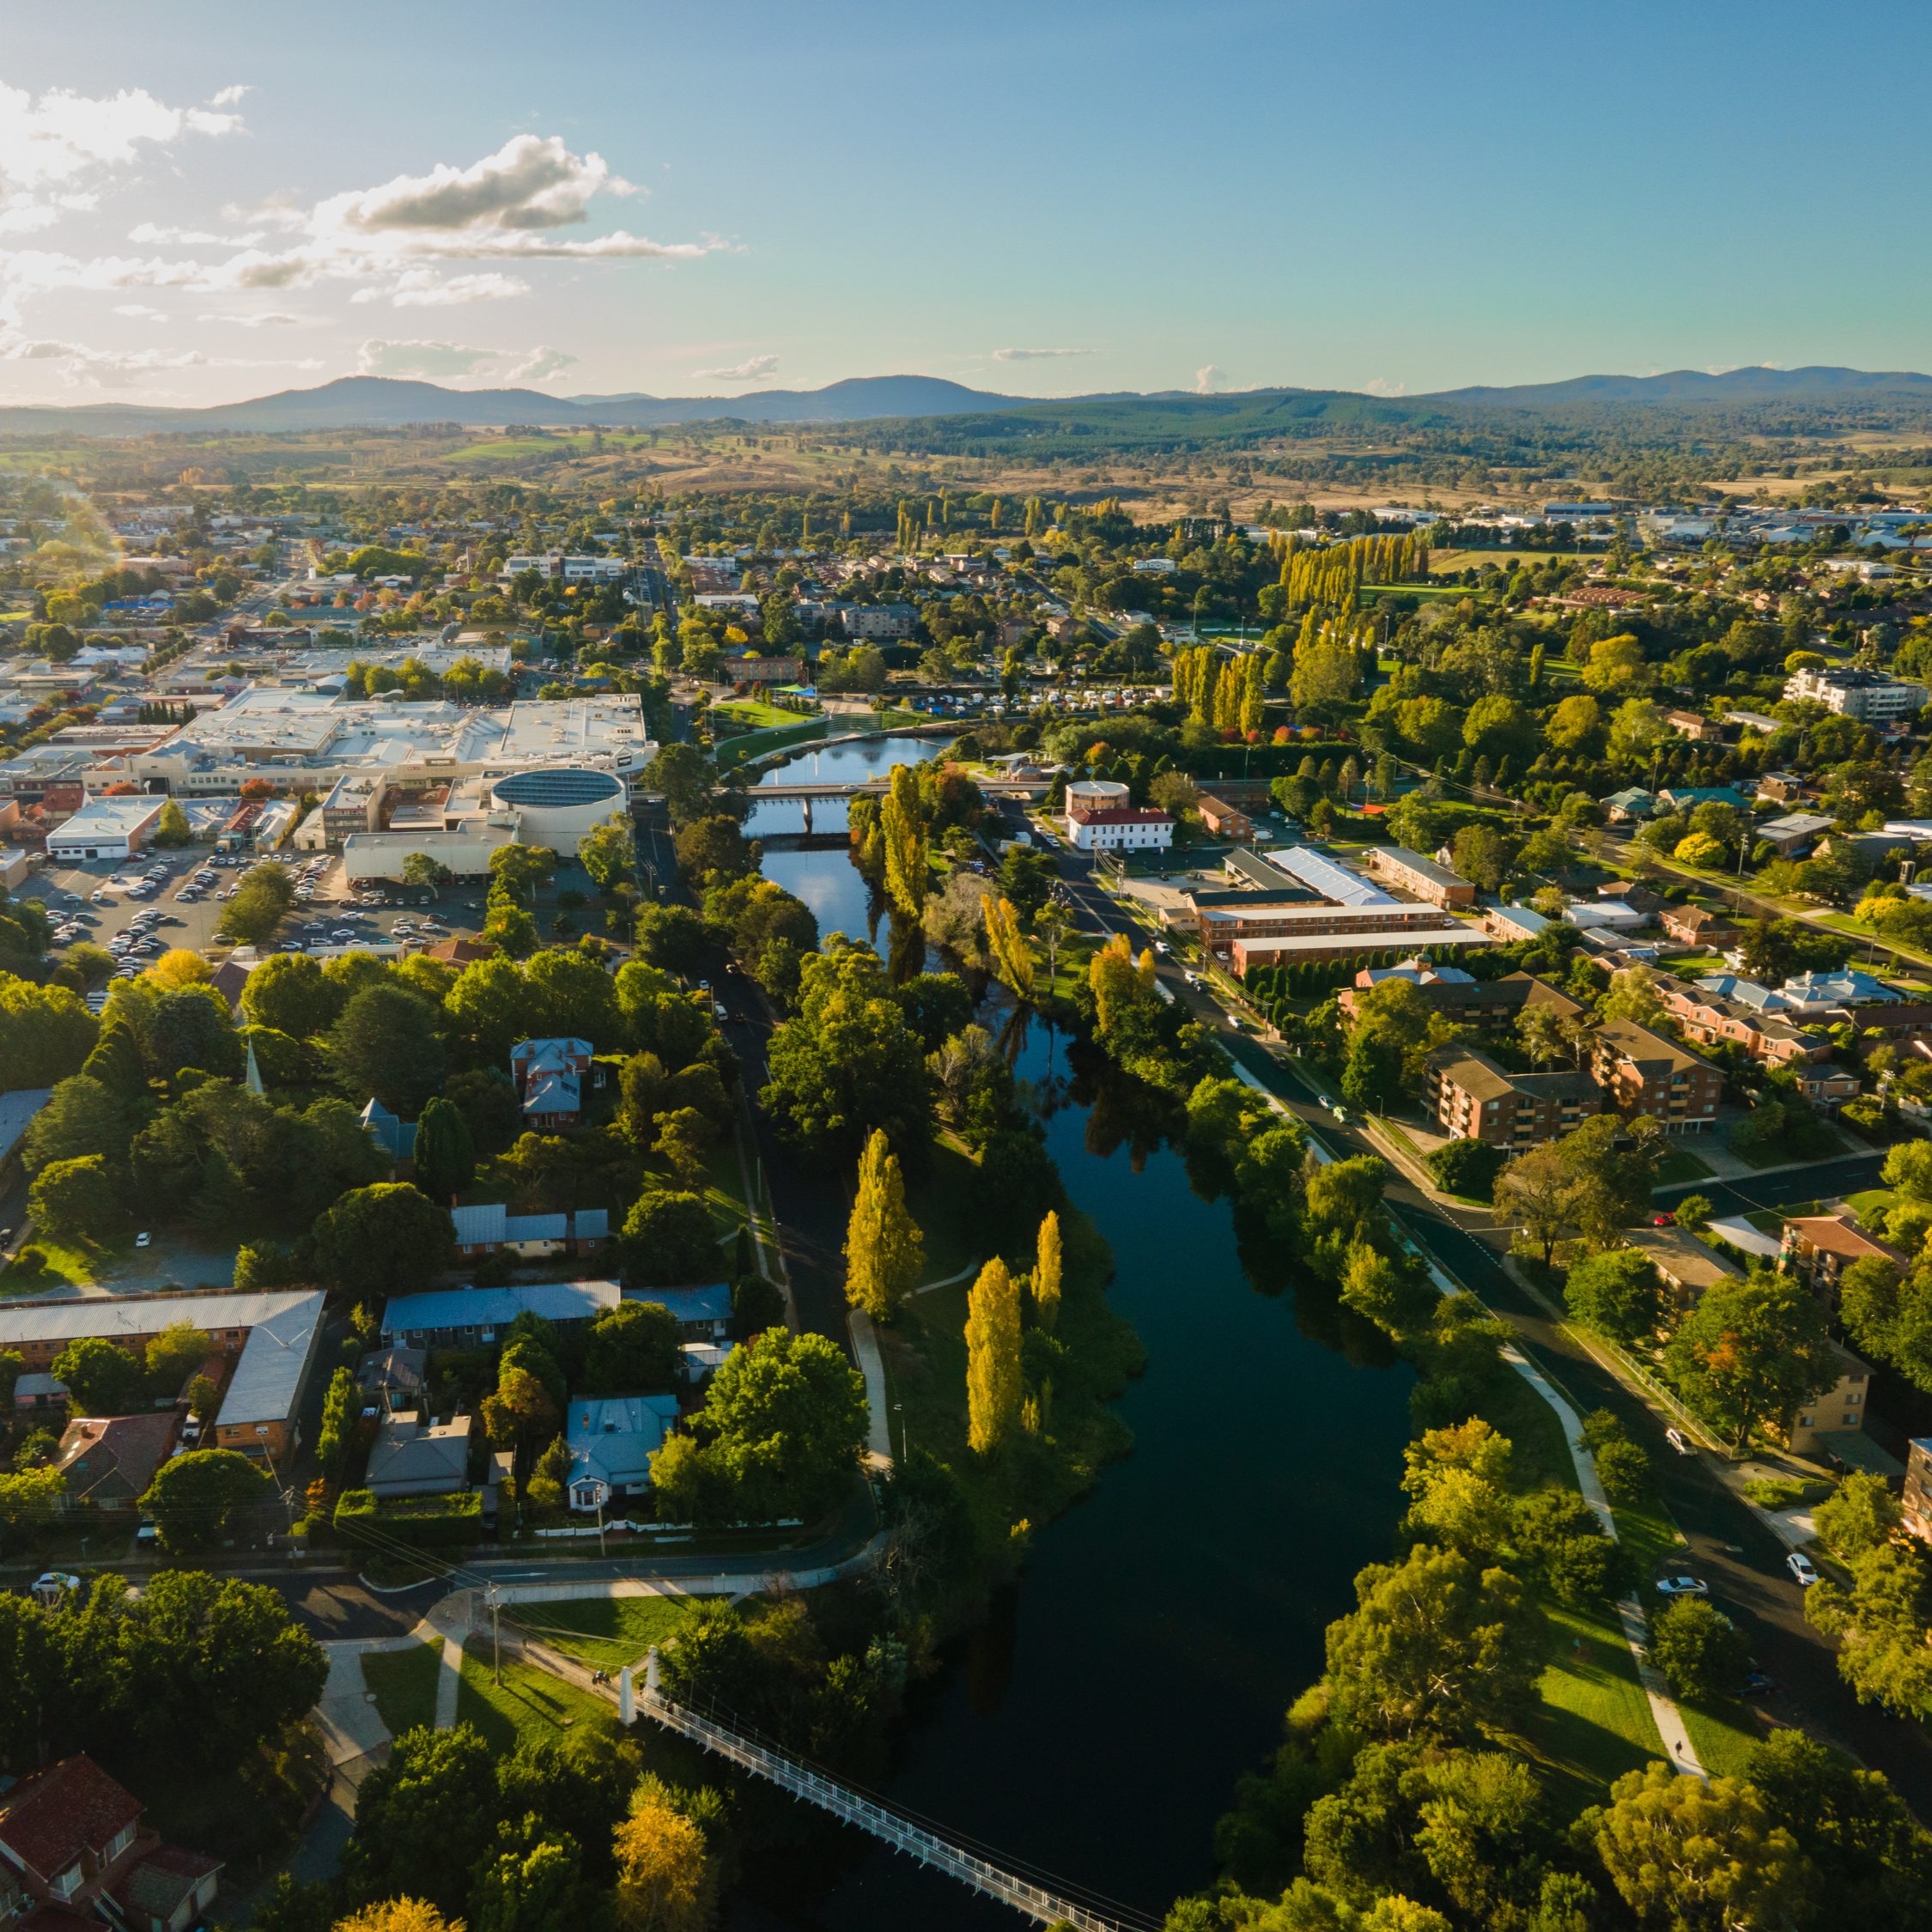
[497, 1307]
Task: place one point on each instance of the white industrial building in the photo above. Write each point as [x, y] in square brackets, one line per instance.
[105, 829]
[1868, 695]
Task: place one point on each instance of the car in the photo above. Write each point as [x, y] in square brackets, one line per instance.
[1160, 946]
[1682, 1586]
[719, 1011]
[142, 1241]
[1801, 1566]
[1664, 1221]
[1676, 1438]
[1192, 978]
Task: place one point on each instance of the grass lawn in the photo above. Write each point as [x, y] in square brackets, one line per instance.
[1680, 1165]
[941, 1201]
[529, 1704]
[1870, 1206]
[404, 1683]
[761, 716]
[66, 1267]
[1776, 1153]
[725, 1196]
[1594, 1724]
[605, 1632]
[1722, 1733]
[1843, 922]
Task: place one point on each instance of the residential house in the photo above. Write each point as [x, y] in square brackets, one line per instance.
[611, 1439]
[1693, 725]
[461, 952]
[1784, 786]
[1605, 915]
[1507, 925]
[1646, 1074]
[1474, 1099]
[411, 1458]
[38, 1393]
[490, 1230]
[1819, 1248]
[477, 1317]
[1120, 829]
[1418, 972]
[1821, 993]
[74, 1841]
[1688, 798]
[549, 1075]
[1839, 1411]
[1423, 878]
[1684, 1264]
[1795, 835]
[396, 1138]
[1708, 1018]
[702, 1314]
[1225, 820]
[1624, 806]
[1695, 927]
[393, 1378]
[107, 1463]
[1756, 721]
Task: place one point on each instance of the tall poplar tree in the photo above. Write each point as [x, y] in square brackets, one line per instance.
[884, 1251]
[993, 1357]
[1011, 952]
[1046, 1275]
[902, 820]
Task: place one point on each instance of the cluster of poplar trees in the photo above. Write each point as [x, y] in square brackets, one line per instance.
[1228, 694]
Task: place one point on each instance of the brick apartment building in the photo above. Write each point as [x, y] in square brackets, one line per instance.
[1472, 1098]
[1643, 1073]
[1410, 870]
[1489, 1006]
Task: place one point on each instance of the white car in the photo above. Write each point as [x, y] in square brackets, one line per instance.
[1682, 1586]
[1799, 1565]
[142, 1241]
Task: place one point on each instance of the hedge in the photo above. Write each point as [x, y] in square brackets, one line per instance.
[422, 1522]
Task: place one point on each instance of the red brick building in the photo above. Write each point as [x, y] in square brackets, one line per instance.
[1472, 1098]
[1643, 1073]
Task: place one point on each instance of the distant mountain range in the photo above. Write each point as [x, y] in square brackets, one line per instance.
[382, 402]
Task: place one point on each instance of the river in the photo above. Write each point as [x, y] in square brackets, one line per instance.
[1097, 1723]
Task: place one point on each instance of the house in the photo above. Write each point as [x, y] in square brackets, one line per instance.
[1757, 722]
[1120, 829]
[475, 1318]
[393, 1377]
[549, 1076]
[1840, 1409]
[702, 1314]
[1508, 924]
[1684, 1264]
[1796, 832]
[487, 1230]
[1696, 926]
[1688, 798]
[1489, 1006]
[74, 1841]
[1419, 971]
[1474, 1099]
[39, 1393]
[1423, 878]
[611, 1439]
[1624, 806]
[107, 1463]
[1819, 993]
[1602, 915]
[1225, 821]
[396, 1138]
[411, 1458]
[1646, 1074]
[1708, 1018]
[461, 952]
[1693, 725]
[1783, 785]
[1819, 1248]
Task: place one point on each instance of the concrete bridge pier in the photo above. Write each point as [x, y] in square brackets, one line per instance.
[807, 803]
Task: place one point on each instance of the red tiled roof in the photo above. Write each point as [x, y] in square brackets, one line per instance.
[49, 1819]
[158, 1883]
[1119, 815]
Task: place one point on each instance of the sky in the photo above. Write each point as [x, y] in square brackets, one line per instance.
[204, 203]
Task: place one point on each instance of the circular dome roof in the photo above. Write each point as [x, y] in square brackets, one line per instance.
[558, 788]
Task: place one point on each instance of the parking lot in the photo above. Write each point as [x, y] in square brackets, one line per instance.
[183, 906]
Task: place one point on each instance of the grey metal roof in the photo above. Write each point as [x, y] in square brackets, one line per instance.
[1423, 868]
[16, 1109]
[476, 1226]
[496, 1308]
[118, 1315]
[592, 1223]
[536, 1227]
[1332, 880]
[269, 1375]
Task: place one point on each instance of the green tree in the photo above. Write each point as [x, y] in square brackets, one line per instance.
[102, 1377]
[82, 1116]
[289, 991]
[76, 1200]
[785, 1423]
[385, 1045]
[1889, 1316]
[1881, 1620]
[175, 1353]
[1751, 1351]
[445, 1161]
[1703, 1857]
[1044, 1288]
[714, 849]
[634, 1346]
[383, 1240]
[1699, 1650]
[419, 869]
[196, 1501]
[668, 1238]
[261, 901]
[1372, 1078]
[609, 854]
[672, 938]
[687, 780]
[341, 1410]
[1618, 1294]
[884, 1250]
[425, 1821]
[1437, 1648]
[47, 1034]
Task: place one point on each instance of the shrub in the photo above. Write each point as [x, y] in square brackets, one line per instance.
[1626, 1472]
[1698, 1649]
[1466, 1167]
[31, 1260]
[422, 1522]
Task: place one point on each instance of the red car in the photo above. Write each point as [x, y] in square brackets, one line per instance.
[1665, 1221]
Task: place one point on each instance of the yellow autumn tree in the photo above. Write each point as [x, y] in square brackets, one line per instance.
[665, 1879]
[884, 1251]
[993, 1357]
[179, 967]
[902, 826]
[1046, 1275]
[398, 1915]
[1116, 985]
[1013, 956]
[1253, 694]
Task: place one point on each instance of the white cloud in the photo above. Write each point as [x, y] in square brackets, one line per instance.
[419, 289]
[1381, 385]
[274, 211]
[141, 312]
[529, 182]
[63, 134]
[241, 321]
[106, 367]
[422, 359]
[1207, 380]
[1034, 355]
[190, 238]
[538, 365]
[24, 217]
[228, 96]
[743, 372]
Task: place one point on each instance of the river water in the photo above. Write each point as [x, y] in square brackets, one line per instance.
[1096, 1724]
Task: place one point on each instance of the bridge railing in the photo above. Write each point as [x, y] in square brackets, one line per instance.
[802, 1781]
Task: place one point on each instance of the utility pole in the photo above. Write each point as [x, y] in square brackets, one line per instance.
[495, 1637]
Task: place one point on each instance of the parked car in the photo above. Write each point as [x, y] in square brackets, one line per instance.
[1799, 1565]
[1676, 1438]
[1682, 1586]
[142, 1241]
